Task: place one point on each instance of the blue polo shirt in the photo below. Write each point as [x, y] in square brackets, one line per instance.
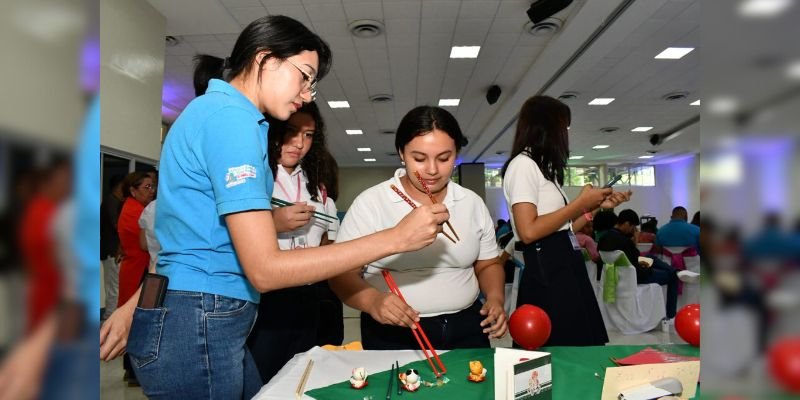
[213, 163]
[678, 232]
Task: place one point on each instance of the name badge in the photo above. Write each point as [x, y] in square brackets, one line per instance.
[574, 240]
[299, 242]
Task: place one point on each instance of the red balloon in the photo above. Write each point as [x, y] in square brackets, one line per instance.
[784, 363]
[529, 326]
[687, 324]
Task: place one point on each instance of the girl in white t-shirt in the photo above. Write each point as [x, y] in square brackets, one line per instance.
[554, 277]
[442, 282]
[289, 319]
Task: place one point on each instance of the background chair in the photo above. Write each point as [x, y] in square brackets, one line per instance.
[631, 308]
[684, 258]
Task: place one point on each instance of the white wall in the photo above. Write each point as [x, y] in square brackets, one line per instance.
[353, 181]
[676, 184]
[131, 76]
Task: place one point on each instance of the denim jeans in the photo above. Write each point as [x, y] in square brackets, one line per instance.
[664, 274]
[194, 347]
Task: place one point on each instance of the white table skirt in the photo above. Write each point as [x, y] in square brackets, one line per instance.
[331, 367]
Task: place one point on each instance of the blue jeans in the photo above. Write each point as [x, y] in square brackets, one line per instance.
[194, 347]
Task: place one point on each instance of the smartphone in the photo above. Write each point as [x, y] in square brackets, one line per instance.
[154, 289]
[613, 181]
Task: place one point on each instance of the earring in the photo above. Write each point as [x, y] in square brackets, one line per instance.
[403, 163]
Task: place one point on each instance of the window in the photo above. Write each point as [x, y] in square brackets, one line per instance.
[634, 175]
[580, 176]
[492, 177]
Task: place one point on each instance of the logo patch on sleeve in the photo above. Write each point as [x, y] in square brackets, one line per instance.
[238, 175]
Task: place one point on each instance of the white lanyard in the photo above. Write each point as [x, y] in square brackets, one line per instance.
[283, 189]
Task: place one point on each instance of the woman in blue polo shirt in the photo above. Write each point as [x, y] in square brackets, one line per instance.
[219, 245]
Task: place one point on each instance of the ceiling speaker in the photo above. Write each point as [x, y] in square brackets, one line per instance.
[493, 94]
[543, 9]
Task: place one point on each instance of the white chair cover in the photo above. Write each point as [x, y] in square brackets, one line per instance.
[691, 291]
[638, 308]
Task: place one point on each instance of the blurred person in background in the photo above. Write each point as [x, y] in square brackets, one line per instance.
[139, 192]
[36, 244]
[109, 242]
[649, 231]
[603, 222]
[696, 219]
[585, 238]
[623, 237]
[772, 242]
[678, 232]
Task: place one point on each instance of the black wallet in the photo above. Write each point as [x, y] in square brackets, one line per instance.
[154, 288]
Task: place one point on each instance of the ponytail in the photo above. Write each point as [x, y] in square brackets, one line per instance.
[207, 67]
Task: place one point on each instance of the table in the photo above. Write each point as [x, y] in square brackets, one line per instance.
[574, 368]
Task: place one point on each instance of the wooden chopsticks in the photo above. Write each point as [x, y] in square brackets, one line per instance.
[411, 203]
[433, 200]
[302, 384]
[387, 276]
[322, 216]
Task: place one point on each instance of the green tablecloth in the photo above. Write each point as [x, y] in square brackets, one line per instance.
[574, 377]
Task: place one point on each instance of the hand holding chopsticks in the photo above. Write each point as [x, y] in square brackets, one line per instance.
[413, 206]
[419, 333]
[433, 200]
[304, 211]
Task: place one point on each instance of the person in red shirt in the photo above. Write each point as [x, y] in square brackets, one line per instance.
[38, 248]
[139, 192]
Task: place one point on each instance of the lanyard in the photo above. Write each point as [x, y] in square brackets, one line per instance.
[283, 189]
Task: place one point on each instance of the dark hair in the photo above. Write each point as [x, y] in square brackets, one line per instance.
[680, 212]
[423, 119]
[628, 216]
[604, 220]
[281, 36]
[696, 218]
[312, 163]
[542, 135]
[115, 180]
[650, 226]
[133, 180]
[329, 174]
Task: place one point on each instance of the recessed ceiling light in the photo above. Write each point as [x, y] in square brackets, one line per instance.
[601, 101]
[575, 157]
[364, 149]
[793, 71]
[647, 156]
[465, 51]
[695, 103]
[339, 104]
[601, 146]
[674, 53]
[449, 102]
[723, 105]
[763, 8]
[370, 160]
[641, 129]
[354, 131]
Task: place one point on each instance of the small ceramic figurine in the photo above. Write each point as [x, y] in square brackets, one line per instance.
[410, 380]
[476, 372]
[359, 378]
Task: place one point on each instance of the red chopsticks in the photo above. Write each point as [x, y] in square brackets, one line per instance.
[411, 203]
[433, 200]
[417, 332]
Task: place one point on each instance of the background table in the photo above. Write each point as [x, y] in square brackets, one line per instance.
[574, 368]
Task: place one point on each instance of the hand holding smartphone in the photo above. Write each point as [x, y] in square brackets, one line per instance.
[613, 181]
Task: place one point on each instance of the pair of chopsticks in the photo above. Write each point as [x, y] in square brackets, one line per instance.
[283, 203]
[387, 276]
[391, 382]
[411, 203]
[433, 200]
[302, 384]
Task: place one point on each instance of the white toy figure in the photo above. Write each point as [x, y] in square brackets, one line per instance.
[359, 378]
[410, 380]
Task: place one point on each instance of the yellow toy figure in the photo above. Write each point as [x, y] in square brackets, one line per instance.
[476, 372]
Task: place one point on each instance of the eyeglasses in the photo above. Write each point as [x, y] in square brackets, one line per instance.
[148, 187]
[309, 82]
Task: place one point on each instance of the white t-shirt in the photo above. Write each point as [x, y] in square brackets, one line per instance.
[286, 188]
[147, 221]
[525, 183]
[440, 278]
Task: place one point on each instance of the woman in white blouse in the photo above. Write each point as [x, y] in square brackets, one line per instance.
[555, 277]
[442, 282]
